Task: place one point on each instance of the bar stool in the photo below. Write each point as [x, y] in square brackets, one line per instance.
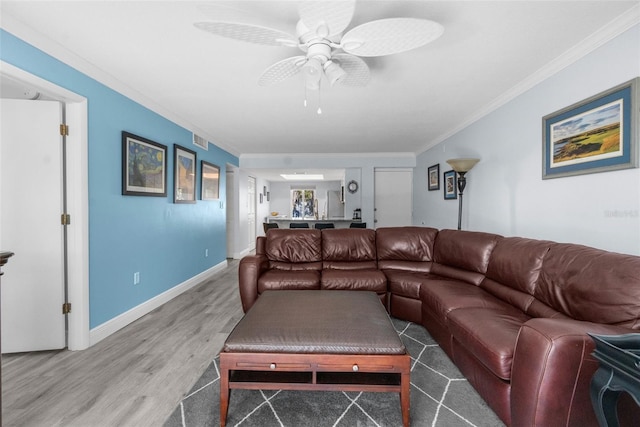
[298, 225]
[323, 225]
[358, 225]
[268, 225]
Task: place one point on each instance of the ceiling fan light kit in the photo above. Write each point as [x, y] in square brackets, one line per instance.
[326, 53]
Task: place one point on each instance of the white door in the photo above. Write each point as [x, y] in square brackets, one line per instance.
[30, 209]
[393, 197]
[231, 212]
[251, 212]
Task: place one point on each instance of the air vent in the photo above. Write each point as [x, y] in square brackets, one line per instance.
[200, 142]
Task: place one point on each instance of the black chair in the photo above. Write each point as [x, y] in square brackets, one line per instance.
[323, 225]
[358, 225]
[299, 225]
[268, 225]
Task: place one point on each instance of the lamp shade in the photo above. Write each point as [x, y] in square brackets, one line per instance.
[462, 165]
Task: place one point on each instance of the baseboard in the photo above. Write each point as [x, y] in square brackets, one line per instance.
[101, 332]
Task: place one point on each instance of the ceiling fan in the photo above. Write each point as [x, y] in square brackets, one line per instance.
[326, 51]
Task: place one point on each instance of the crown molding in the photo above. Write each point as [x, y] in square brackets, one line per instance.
[38, 40]
[605, 34]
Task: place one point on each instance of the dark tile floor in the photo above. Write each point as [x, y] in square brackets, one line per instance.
[440, 396]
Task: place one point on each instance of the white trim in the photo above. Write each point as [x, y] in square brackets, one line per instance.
[241, 254]
[101, 332]
[77, 200]
[78, 231]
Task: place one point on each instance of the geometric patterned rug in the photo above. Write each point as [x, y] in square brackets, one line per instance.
[440, 396]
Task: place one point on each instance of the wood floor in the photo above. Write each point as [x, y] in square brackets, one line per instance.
[135, 377]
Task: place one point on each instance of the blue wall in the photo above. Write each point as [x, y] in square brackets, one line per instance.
[163, 241]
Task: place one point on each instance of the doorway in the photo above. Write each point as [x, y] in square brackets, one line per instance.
[393, 197]
[77, 273]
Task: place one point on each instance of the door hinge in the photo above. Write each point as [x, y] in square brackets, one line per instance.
[66, 308]
[64, 129]
[65, 219]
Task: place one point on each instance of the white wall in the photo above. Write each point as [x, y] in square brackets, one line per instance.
[358, 166]
[240, 237]
[262, 209]
[505, 192]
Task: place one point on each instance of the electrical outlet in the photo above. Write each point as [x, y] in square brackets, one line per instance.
[206, 252]
[136, 277]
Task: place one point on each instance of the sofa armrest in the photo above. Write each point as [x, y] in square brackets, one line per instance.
[552, 370]
[250, 269]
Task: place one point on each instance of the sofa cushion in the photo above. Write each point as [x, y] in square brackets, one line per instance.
[360, 280]
[406, 248]
[441, 295]
[463, 255]
[347, 249]
[591, 284]
[516, 262]
[284, 247]
[405, 283]
[490, 334]
[279, 279]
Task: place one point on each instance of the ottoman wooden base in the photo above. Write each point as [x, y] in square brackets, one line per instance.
[315, 340]
[328, 372]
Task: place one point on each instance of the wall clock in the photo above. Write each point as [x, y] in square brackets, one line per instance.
[352, 186]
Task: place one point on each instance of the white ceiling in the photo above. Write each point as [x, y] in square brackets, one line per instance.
[151, 51]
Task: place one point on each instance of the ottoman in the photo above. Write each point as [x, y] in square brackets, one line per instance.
[315, 340]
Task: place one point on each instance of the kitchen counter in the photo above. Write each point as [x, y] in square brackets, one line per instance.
[283, 222]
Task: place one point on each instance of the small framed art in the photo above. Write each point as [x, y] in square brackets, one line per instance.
[184, 190]
[433, 177]
[598, 134]
[209, 181]
[144, 166]
[450, 185]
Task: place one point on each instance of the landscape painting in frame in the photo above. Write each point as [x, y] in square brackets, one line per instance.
[144, 166]
[433, 177]
[184, 175]
[596, 135]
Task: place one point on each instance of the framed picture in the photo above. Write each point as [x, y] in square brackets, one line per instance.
[209, 181]
[261, 198]
[144, 167]
[598, 134]
[450, 185]
[264, 190]
[268, 195]
[433, 177]
[184, 175]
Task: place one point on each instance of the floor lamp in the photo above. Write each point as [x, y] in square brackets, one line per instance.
[461, 166]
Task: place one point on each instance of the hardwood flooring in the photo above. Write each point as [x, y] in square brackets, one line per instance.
[135, 377]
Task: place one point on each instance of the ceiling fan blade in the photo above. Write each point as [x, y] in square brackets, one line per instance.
[389, 36]
[327, 18]
[248, 33]
[357, 70]
[282, 70]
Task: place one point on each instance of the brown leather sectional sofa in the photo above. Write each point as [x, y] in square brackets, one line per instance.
[512, 313]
